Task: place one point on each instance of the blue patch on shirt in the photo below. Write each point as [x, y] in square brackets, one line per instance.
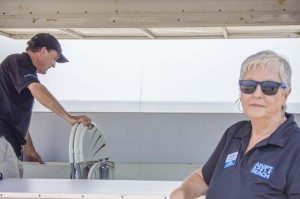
[230, 160]
[262, 170]
[30, 75]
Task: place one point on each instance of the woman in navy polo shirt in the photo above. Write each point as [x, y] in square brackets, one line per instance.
[259, 158]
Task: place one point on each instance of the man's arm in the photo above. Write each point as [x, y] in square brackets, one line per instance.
[192, 187]
[30, 152]
[41, 94]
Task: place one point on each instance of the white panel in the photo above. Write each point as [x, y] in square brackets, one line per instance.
[66, 188]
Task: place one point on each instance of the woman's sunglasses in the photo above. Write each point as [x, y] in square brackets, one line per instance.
[267, 87]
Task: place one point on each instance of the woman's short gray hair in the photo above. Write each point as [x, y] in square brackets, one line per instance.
[268, 59]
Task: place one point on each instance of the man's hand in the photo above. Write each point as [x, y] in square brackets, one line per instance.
[30, 152]
[80, 119]
[32, 156]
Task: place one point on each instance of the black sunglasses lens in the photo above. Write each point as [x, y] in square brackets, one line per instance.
[269, 88]
[248, 87]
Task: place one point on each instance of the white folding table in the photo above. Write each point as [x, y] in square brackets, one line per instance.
[103, 189]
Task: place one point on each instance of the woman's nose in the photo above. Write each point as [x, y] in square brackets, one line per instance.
[258, 91]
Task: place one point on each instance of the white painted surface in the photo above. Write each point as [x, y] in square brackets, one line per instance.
[66, 188]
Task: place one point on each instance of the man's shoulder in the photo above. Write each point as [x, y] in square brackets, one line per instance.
[14, 61]
[14, 58]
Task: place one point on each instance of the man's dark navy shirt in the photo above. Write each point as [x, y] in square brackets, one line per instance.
[16, 73]
[271, 169]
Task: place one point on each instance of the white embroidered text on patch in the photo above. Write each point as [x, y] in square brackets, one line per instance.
[30, 75]
[262, 170]
[231, 159]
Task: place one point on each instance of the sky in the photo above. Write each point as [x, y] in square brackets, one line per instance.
[156, 70]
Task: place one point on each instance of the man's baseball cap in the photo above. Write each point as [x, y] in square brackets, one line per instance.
[51, 43]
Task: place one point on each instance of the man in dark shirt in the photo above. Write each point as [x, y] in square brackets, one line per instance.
[19, 86]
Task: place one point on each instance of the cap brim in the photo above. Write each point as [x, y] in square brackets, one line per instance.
[62, 59]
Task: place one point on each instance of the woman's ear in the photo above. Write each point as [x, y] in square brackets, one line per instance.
[287, 93]
[285, 96]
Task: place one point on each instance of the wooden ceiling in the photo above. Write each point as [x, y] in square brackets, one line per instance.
[155, 19]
